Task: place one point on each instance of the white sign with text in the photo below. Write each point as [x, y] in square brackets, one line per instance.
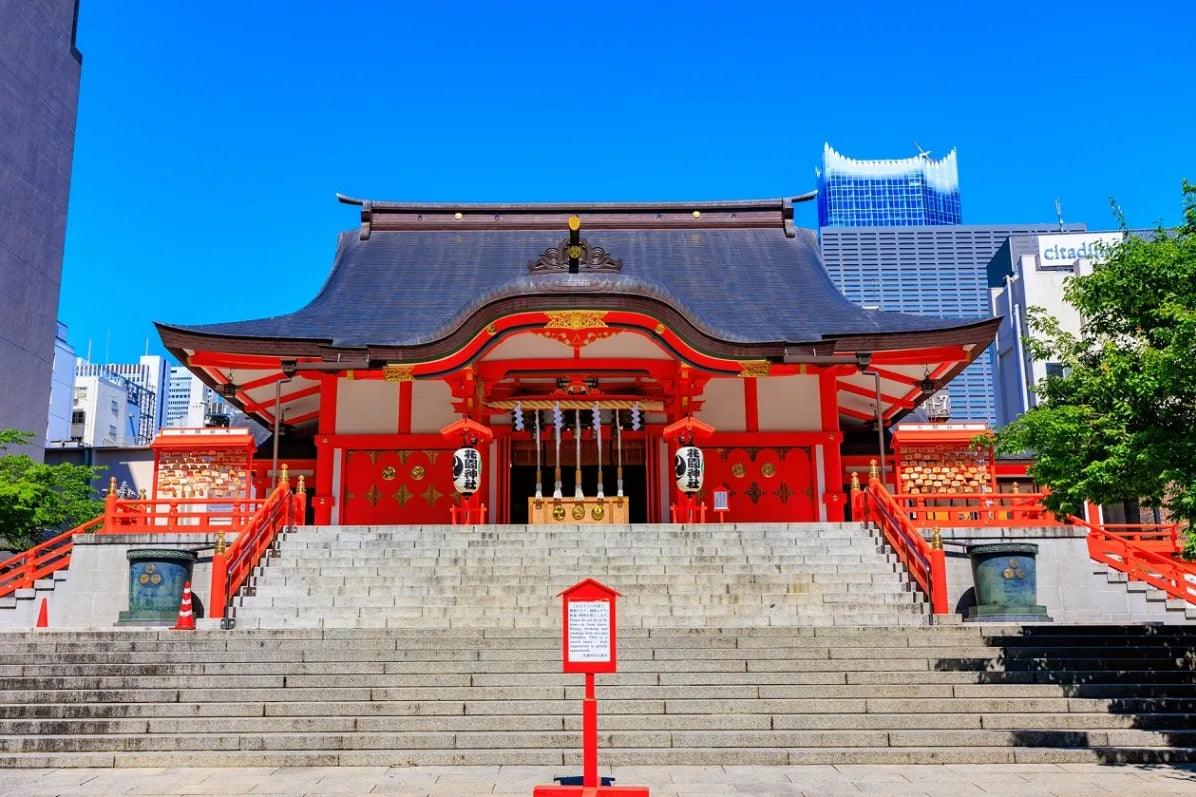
[589, 631]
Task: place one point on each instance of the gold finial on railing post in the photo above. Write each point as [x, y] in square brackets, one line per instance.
[936, 538]
[301, 488]
[141, 493]
[1016, 488]
[855, 482]
[286, 480]
[873, 473]
[221, 543]
[111, 485]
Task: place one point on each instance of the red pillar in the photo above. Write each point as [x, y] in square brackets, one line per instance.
[589, 735]
[832, 461]
[323, 499]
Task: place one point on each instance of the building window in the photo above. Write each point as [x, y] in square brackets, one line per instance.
[1053, 370]
[112, 433]
[115, 408]
[78, 416]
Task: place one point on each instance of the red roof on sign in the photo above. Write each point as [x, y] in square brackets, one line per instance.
[591, 586]
[217, 437]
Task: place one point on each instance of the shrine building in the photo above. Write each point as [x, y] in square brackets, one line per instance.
[617, 331]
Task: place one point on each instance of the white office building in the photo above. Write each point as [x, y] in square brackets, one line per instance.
[62, 389]
[1031, 271]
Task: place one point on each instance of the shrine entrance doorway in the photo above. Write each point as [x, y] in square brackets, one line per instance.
[635, 477]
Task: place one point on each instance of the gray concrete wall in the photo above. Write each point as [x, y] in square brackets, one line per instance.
[93, 591]
[39, 94]
[1073, 587]
[133, 465]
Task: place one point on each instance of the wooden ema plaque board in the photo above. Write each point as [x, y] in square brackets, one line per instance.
[940, 458]
[202, 463]
[578, 510]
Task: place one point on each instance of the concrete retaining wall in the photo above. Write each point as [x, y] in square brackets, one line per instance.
[94, 590]
[1073, 587]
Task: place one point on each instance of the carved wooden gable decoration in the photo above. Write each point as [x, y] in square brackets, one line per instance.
[590, 258]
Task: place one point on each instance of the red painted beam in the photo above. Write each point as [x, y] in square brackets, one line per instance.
[862, 416]
[848, 387]
[307, 416]
[219, 360]
[265, 380]
[920, 356]
[897, 376]
[255, 406]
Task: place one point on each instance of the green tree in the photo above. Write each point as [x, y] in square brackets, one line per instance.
[1120, 423]
[36, 499]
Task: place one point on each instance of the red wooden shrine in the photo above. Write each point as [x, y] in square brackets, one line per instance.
[502, 316]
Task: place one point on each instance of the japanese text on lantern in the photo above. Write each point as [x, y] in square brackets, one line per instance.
[589, 631]
[693, 471]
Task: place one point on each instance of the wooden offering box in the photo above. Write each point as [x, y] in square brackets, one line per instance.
[560, 511]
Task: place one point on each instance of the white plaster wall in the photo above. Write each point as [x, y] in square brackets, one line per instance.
[431, 406]
[724, 408]
[789, 403]
[367, 406]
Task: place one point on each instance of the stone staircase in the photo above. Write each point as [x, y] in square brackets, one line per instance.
[1151, 600]
[744, 575]
[19, 610]
[710, 696]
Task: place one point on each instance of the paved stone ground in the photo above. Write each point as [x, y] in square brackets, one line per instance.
[952, 780]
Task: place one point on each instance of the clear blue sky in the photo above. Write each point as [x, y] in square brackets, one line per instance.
[212, 136]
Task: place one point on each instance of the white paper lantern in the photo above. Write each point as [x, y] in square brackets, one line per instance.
[467, 470]
[690, 466]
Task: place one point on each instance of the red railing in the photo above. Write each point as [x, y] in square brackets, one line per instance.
[231, 566]
[926, 563]
[24, 569]
[927, 510]
[1144, 552]
[178, 516]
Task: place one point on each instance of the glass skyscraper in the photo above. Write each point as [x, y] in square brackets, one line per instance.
[913, 192]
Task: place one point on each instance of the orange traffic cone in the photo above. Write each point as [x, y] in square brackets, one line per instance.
[43, 615]
[186, 617]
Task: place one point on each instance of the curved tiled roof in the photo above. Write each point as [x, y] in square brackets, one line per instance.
[410, 287]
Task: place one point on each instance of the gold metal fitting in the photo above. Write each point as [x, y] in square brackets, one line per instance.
[873, 472]
[285, 478]
[221, 544]
[111, 485]
[855, 482]
[936, 539]
[302, 488]
[575, 223]
[141, 493]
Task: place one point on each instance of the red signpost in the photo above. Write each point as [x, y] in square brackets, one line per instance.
[589, 646]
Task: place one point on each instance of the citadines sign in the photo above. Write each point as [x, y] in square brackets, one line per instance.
[1064, 250]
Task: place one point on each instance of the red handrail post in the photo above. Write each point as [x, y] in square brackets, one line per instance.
[218, 594]
[938, 581]
[110, 511]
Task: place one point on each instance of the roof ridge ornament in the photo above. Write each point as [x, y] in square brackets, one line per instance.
[574, 255]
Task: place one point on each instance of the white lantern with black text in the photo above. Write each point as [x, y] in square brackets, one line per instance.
[690, 467]
[467, 470]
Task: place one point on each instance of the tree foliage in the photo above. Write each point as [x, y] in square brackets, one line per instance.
[36, 499]
[1120, 423]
